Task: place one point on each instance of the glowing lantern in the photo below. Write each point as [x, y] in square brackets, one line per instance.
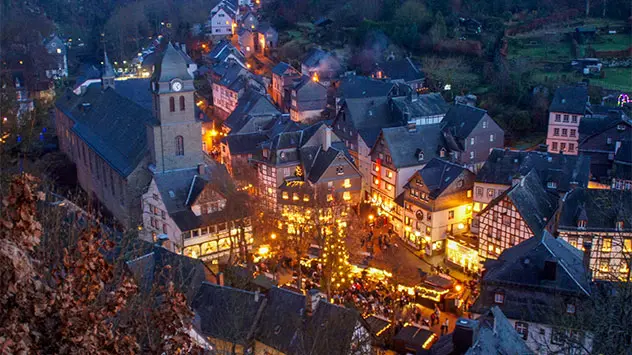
[315, 78]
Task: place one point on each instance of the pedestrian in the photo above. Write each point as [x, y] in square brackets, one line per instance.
[445, 326]
[433, 318]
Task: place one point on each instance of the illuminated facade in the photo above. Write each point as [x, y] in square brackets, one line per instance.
[601, 218]
[437, 204]
[516, 215]
[463, 254]
[565, 114]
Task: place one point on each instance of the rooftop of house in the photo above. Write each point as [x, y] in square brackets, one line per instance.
[503, 166]
[592, 126]
[405, 145]
[423, 105]
[369, 116]
[180, 188]
[248, 143]
[496, 335]
[415, 337]
[310, 95]
[535, 205]
[460, 120]
[172, 65]
[111, 124]
[438, 174]
[222, 50]
[285, 325]
[153, 267]
[265, 27]
[570, 99]
[601, 209]
[623, 161]
[227, 313]
[532, 275]
[401, 69]
[284, 69]
[252, 103]
[313, 57]
[355, 87]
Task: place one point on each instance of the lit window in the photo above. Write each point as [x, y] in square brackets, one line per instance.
[295, 197]
[604, 265]
[490, 248]
[347, 183]
[606, 245]
[376, 181]
[469, 193]
[376, 167]
[477, 207]
[389, 174]
[330, 197]
[627, 245]
[285, 195]
[389, 187]
[450, 214]
[499, 298]
[346, 196]
[306, 198]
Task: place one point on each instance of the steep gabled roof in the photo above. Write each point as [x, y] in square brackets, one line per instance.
[423, 105]
[535, 205]
[438, 174]
[282, 68]
[172, 65]
[497, 335]
[460, 120]
[227, 313]
[600, 208]
[313, 57]
[252, 103]
[503, 165]
[570, 99]
[405, 145]
[245, 143]
[623, 161]
[524, 264]
[401, 69]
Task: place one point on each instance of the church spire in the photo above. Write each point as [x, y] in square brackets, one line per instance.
[107, 79]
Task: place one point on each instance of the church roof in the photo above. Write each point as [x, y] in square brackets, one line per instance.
[172, 65]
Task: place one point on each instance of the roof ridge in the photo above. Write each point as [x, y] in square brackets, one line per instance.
[191, 189]
[561, 262]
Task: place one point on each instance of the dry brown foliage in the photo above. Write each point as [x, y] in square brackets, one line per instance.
[77, 307]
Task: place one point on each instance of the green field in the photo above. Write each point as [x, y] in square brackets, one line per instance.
[539, 50]
[610, 42]
[615, 79]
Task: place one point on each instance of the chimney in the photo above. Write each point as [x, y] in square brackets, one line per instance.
[220, 278]
[587, 255]
[257, 295]
[200, 169]
[465, 331]
[411, 127]
[550, 270]
[311, 302]
[327, 139]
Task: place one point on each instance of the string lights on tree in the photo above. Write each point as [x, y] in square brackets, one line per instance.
[335, 258]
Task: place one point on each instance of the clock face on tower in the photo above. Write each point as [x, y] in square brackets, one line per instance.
[176, 85]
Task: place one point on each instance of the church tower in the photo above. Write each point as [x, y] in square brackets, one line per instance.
[175, 140]
[107, 78]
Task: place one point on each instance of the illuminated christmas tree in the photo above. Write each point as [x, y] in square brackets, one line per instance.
[335, 259]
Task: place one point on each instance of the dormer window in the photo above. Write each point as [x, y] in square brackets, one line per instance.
[420, 155]
[570, 308]
[619, 225]
[442, 153]
[499, 298]
[581, 224]
[551, 185]
[266, 153]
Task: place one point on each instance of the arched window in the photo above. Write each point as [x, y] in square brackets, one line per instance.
[172, 104]
[181, 103]
[179, 145]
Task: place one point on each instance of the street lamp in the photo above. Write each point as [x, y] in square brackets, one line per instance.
[273, 236]
[371, 217]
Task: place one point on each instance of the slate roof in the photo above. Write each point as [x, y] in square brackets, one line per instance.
[159, 266]
[87, 72]
[313, 57]
[423, 105]
[589, 126]
[112, 125]
[281, 68]
[438, 174]
[227, 313]
[510, 267]
[413, 336]
[231, 75]
[222, 50]
[404, 145]
[570, 99]
[600, 208]
[369, 116]
[503, 165]
[180, 184]
[285, 327]
[401, 69]
[108, 71]
[460, 120]
[623, 161]
[245, 143]
[252, 103]
[533, 202]
[496, 335]
[310, 95]
[137, 90]
[172, 65]
[323, 160]
[354, 87]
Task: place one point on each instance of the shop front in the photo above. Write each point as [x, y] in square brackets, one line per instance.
[389, 209]
[462, 253]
